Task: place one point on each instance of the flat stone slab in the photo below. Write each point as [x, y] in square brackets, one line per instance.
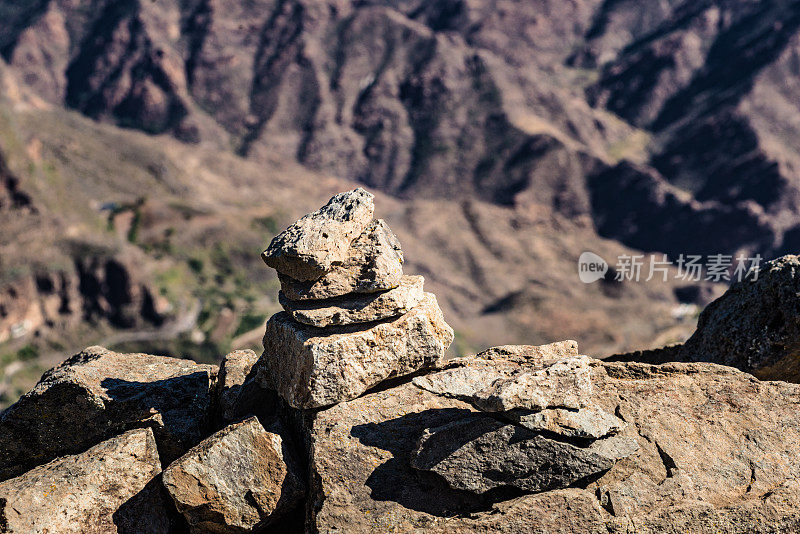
[525, 379]
[98, 393]
[310, 367]
[112, 487]
[240, 479]
[374, 262]
[563, 384]
[479, 453]
[357, 307]
[530, 355]
[308, 248]
[590, 422]
[464, 377]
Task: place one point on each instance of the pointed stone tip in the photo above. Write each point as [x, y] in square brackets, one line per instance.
[361, 191]
[310, 246]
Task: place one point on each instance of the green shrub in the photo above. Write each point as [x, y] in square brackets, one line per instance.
[196, 265]
[28, 352]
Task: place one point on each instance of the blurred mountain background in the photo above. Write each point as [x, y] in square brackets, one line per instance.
[149, 150]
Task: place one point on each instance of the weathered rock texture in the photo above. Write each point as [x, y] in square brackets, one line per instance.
[112, 487]
[540, 394]
[357, 308]
[98, 393]
[717, 450]
[561, 384]
[755, 325]
[309, 247]
[374, 263]
[524, 377]
[587, 423]
[530, 354]
[310, 367]
[234, 373]
[238, 480]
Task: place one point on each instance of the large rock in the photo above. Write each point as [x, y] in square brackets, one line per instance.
[374, 263]
[113, 487]
[309, 247]
[311, 368]
[479, 453]
[755, 325]
[586, 423]
[718, 452]
[561, 384]
[238, 480]
[464, 378]
[357, 308]
[526, 380]
[98, 393]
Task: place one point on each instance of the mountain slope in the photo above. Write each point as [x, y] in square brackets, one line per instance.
[459, 99]
[507, 137]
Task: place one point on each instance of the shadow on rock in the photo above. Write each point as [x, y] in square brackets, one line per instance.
[177, 409]
[150, 510]
[395, 480]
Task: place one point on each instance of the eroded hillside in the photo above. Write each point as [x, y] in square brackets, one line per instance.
[508, 137]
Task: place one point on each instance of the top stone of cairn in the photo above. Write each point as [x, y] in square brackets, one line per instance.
[307, 249]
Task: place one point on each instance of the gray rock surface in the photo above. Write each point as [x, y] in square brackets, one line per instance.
[479, 453]
[308, 248]
[357, 308]
[529, 355]
[310, 367]
[374, 262]
[755, 325]
[111, 488]
[234, 371]
[98, 393]
[524, 381]
[590, 422]
[464, 378]
[238, 480]
[561, 384]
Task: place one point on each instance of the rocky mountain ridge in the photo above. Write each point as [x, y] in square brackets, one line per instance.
[686, 109]
[506, 138]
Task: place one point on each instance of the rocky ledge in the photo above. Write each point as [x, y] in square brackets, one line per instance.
[360, 423]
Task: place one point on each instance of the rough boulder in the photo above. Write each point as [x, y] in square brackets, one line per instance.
[112, 487]
[755, 325]
[240, 479]
[98, 393]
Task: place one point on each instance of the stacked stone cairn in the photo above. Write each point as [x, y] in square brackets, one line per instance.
[351, 318]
